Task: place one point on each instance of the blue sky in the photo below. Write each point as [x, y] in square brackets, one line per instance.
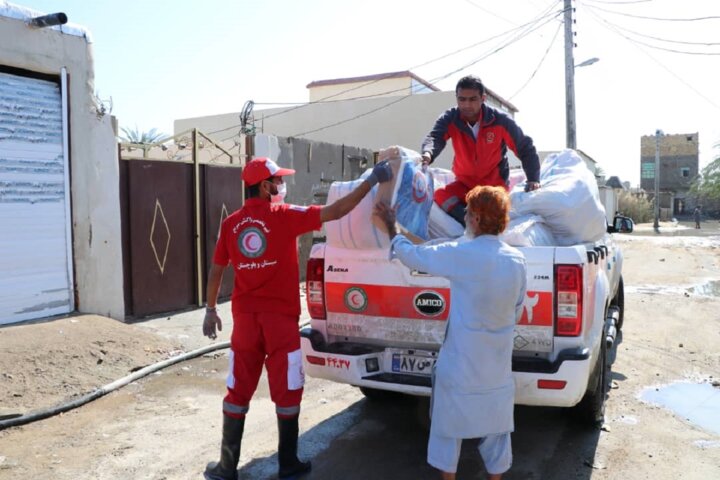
[163, 60]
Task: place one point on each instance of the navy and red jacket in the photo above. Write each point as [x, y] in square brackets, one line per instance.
[483, 161]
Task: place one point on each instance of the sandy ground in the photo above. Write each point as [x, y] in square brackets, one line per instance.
[167, 425]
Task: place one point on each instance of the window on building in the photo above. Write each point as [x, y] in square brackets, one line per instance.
[685, 172]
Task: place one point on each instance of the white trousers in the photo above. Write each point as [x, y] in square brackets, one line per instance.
[495, 450]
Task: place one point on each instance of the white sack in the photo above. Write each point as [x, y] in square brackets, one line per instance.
[410, 191]
[354, 230]
[568, 200]
[528, 231]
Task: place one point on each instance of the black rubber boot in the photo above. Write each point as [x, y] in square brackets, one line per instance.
[458, 213]
[226, 468]
[290, 466]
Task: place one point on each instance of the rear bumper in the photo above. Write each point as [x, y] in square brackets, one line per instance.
[368, 366]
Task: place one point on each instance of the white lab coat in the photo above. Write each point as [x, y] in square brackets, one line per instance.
[473, 389]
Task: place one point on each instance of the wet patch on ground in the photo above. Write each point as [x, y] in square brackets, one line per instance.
[697, 403]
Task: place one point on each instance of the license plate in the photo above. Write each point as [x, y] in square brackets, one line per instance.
[417, 364]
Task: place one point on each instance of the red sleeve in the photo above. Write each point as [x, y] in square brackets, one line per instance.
[303, 219]
[221, 256]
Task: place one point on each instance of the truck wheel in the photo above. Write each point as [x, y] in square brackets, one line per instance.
[619, 302]
[591, 409]
[376, 395]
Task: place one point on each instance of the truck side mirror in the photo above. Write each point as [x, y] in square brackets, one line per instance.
[623, 224]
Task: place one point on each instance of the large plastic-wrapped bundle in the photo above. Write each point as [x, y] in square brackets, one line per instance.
[410, 192]
[568, 200]
[440, 224]
[354, 230]
[528, 231]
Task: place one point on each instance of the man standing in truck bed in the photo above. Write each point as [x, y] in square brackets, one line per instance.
[480, 137]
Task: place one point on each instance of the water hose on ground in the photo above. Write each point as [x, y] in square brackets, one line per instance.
[110, 387]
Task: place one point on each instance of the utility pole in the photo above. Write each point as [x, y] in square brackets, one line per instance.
[570, 141]
[656, 223]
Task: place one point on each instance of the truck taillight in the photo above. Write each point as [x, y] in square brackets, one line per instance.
[568, 300]
[315, 286]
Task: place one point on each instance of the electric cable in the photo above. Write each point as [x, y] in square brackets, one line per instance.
[542, 60]
[696, 19]
[545, 17]
[662, 65]
[672, 50]
[483, 57]
[539, 18]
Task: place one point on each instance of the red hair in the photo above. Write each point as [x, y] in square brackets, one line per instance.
[491, 205]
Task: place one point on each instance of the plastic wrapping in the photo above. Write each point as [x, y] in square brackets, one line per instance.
[410, 192]
[568, 200]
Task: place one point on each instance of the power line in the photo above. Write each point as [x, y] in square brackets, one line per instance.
[489, 12]
[608, 26]
[483, 57]
[539, 64]
[627, 2]
[618, 28]
[696, 19]
[548, 14]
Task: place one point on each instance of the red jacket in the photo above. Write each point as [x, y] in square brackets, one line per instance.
[483, 161]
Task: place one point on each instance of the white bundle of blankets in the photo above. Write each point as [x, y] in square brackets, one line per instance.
[566, 210]
[410, 192]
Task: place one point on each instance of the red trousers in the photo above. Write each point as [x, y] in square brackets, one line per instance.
[452, 194]
[273, 340]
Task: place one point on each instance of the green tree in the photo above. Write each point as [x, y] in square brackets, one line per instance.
[707, 184]
[136, 136]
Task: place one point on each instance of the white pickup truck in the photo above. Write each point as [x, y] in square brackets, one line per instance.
[378, 325]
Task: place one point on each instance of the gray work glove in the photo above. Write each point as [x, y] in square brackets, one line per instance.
[211, 322]
[381, 173]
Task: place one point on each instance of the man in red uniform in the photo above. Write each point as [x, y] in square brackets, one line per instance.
[260, 242]
[480, 137]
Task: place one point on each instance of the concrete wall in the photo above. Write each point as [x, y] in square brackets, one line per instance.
[317, 165]
[679, 162]
[93, 160]
[376, 122]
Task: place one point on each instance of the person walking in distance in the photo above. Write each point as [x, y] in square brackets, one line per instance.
[259, 241]
[696, 216]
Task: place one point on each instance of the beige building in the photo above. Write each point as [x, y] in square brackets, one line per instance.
[59, 204]
[369, 112]
[679, 156]
[382, 85]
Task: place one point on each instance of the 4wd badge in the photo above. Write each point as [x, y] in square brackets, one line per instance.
[429, 303]
[356, 299]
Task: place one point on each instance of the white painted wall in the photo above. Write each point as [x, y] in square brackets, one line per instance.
[97, 248]
[378, 122]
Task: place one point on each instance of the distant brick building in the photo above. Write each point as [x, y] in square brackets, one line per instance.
[679, 166]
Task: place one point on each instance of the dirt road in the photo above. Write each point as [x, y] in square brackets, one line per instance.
[167, 425]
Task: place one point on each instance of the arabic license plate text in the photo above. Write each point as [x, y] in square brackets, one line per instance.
[412, 364]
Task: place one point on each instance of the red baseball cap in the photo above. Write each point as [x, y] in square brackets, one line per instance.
[262, 168]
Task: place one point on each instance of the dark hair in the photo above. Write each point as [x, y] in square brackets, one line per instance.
[252, 191]
[470, 82]
[492, 204]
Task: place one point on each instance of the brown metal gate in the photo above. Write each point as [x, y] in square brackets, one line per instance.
[172, 208]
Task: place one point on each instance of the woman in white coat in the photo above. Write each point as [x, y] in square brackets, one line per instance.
[473, 385]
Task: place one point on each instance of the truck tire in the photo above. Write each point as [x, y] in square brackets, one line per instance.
[591, 409]
[619, 302]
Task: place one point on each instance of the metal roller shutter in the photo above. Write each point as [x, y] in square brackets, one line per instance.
[35, 253]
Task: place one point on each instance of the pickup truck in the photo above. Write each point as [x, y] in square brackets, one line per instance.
[378, 325]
